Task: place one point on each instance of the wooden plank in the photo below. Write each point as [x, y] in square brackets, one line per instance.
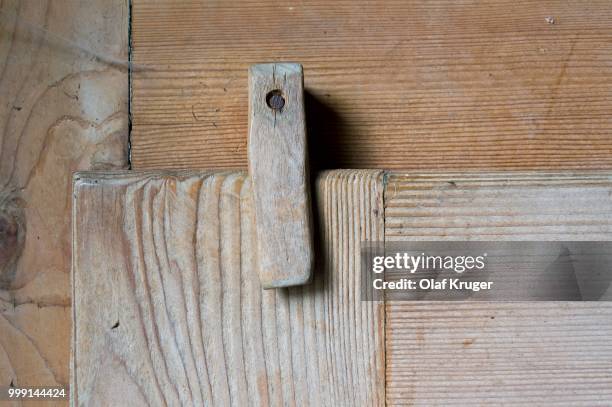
[64, 108]
[393, 84]
[545, 353]
[278, 167]
[168, 307]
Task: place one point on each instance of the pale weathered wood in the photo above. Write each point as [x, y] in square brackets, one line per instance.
[390, 84]
[499, 353]
[64, 108]
[168, 307]
[278, 169]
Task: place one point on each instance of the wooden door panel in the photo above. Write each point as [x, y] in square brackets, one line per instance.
[536, 353]
[405, 85]
[168, 306]
[64, 108]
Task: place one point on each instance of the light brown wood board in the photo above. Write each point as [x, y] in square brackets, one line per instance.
[64, 108]
[168, 307]
[536, 353]
[390, 84]
[279, 174]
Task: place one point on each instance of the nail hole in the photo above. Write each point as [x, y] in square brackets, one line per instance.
[275, 99]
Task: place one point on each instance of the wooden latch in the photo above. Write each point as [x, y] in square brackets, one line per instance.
[278, 167]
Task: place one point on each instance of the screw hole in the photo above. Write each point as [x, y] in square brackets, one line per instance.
[275, 100]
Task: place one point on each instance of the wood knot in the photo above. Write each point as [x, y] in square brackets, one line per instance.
[12, 236]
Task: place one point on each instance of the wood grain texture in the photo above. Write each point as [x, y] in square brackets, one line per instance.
[545, 353]
[168, 307]
[278, 169]
[64, 108]
[393, 84]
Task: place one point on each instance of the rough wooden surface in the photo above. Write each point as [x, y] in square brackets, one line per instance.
[510, 353]
[168, 307]
[278, 169]
[63, 109]
[393, 84]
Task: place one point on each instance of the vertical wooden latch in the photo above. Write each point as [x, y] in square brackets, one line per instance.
[278, 167]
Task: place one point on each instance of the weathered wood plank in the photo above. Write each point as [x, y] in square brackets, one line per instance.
[510, 353]
[278, 169]
[64, 108]
[394, 84]
[168, 307]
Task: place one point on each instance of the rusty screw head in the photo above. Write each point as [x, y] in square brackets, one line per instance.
[275, 100]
